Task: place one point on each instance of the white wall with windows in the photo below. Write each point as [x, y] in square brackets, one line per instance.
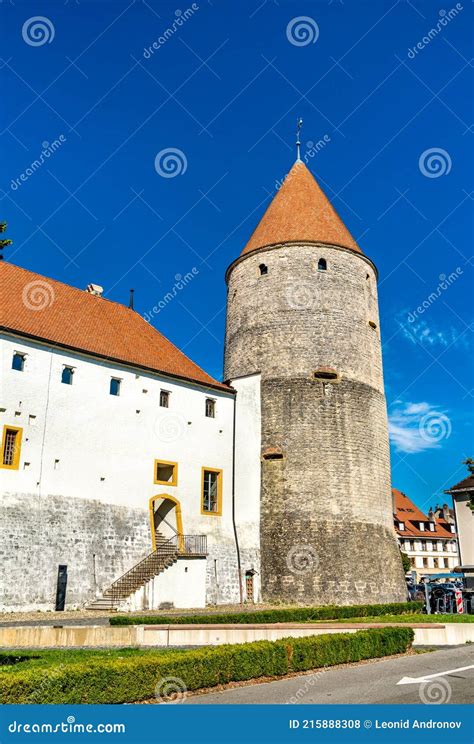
[429, 555]
[95, 430]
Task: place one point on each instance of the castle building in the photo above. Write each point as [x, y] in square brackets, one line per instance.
[302, 311]
[429, 540]
[130, 478]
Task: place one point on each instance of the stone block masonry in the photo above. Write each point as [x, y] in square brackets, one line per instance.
[326, 514]
[97, 541]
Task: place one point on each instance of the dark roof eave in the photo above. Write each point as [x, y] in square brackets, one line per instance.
[469, 489]
[213, 386]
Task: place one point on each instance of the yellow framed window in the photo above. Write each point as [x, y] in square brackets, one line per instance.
[211, 492]
[11, 447]
[166, 473]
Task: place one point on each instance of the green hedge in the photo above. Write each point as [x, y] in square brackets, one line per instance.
[130, 679]
[287, 615]
[340, 648]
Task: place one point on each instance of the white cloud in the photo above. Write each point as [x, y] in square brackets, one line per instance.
[420, 333]
[416, 427]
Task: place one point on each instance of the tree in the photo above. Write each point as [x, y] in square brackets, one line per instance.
[4, 242]
[469, 461]
[405, 562]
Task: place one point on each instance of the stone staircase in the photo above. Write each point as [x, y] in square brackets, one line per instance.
[165, 554]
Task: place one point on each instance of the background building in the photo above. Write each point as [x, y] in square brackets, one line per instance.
[429, 540]
[463, 496]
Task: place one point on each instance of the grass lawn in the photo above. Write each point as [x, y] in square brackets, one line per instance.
[403, 619]
[20, 660]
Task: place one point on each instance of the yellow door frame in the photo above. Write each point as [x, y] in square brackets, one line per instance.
[179, 518]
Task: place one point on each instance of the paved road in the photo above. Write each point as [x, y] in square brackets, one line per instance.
[375, 682]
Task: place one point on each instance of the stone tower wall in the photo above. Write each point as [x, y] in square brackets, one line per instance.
[326, 512]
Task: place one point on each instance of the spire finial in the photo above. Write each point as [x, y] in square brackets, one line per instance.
[299, 124]
[130, 302]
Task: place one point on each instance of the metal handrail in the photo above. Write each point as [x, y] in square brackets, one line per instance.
[191, 544]
[178, 545]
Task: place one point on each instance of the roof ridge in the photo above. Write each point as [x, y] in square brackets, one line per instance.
[65, 284]
[107, 330]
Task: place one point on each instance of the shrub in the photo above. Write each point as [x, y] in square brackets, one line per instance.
[134, 678]
[287, 615]
[339, 648]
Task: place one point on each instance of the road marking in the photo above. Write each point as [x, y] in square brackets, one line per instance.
[418, 680]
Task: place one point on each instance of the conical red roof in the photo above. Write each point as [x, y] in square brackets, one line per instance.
[300, 212]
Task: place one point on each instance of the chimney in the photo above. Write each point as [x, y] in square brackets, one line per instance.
[95, 289]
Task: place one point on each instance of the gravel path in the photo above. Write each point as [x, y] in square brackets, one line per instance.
[101, 617]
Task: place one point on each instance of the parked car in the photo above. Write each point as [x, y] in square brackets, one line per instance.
[416, 593]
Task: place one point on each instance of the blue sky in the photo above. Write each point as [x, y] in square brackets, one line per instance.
[223, 88]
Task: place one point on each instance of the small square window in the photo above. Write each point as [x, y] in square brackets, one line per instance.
[67, 375]
[166, 473]
[164, 399]
[11, 444]
[210, 408]
[18, 361]
[115, 384]
[211, 497]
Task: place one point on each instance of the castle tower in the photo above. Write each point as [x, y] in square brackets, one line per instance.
[302, 310]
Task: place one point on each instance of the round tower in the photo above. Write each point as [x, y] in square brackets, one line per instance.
[302, 310]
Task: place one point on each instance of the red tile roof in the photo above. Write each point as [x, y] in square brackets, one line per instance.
[300, 212]
[42, 308]
[407, 512]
